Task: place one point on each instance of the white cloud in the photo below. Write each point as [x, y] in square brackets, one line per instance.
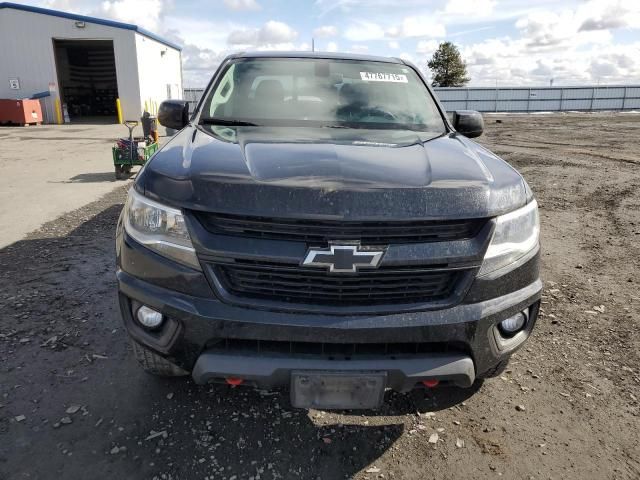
[325, 31]
[331, 47]
[573, 41]
[605, 15]
[270, 33]
[359, 48]
[570, 44]
[145, 13]
[407, 56]
[427, 46]
[242, 4]
[201, 32]
[478, 8]
[363, 31]
[68, 5]
[547, 29]
[418, 26]
[519, 62]
[284, 46]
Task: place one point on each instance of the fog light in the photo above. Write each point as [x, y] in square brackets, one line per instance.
[148, 317]
[513, 324]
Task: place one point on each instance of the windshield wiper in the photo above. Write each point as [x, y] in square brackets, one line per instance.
[228, 122]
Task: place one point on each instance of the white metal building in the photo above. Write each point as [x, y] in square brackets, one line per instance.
[85, 62]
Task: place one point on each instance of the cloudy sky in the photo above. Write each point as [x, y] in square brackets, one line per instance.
[508, 42]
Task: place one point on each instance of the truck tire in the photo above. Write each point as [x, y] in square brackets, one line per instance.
[495, 370]
[154, 364]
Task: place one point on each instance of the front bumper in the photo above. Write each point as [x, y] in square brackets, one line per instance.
[217, 340]
[402, 374]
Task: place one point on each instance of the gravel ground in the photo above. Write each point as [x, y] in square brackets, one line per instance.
[62, 167]
[73, 403]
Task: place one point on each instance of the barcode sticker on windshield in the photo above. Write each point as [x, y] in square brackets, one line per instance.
[383, 77]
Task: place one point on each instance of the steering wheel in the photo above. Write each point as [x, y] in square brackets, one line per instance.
[378, 112]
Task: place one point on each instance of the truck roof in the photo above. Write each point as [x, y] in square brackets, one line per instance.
[307, 54]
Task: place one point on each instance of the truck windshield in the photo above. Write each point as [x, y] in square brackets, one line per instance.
[323, 93]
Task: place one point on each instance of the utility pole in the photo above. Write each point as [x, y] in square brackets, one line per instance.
[313, 44]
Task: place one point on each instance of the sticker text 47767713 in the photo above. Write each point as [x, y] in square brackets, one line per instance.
[383, 77]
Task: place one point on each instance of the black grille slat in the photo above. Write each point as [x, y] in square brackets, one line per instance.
[292, 283]
[322, 231]
[285, 286]
[341, 292]
[291, 280]
[331, 349]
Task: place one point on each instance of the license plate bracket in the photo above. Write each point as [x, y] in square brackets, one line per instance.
[337, 390]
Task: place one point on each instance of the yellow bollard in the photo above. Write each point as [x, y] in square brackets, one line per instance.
[58, 111]
[119, 110]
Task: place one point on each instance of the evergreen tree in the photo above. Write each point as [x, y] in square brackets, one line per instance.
[447, 66]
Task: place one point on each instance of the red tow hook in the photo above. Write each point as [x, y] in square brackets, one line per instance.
[234, 381]
[430, 383]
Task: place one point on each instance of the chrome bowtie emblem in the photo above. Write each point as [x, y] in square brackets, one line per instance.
[342, 258]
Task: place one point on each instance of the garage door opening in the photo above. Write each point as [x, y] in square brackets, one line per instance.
[87, 79]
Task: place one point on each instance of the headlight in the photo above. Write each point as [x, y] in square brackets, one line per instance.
[159, 228]
[515, 236]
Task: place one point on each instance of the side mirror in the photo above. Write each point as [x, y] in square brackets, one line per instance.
[174, 114]
[468, 123]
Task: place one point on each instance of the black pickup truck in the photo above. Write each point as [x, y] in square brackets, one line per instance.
[320, 223]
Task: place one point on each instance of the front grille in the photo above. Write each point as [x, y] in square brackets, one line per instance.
[331, 350]
[294, 284]
[322, 231]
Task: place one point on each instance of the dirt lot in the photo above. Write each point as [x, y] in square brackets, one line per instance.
[59, 167]
[73, 403]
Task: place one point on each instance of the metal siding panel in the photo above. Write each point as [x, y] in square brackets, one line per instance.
[632, 103]
[609, 92]
[577, 93]
[576, 104]
[451, 94]
[156, 71]
[513, 94]
[31, 58]
[607, 104]
[512, 106]
[88, 19]
[482, 94]
[544, 105]
[451, 106]
[124, 48]
[482, 105]
[546, 93]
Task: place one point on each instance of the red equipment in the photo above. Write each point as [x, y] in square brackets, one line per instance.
[21, 112]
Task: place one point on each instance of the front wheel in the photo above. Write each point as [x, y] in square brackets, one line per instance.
[496, 370]
[154, 364]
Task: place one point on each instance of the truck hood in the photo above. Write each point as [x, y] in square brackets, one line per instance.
[331, 173]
